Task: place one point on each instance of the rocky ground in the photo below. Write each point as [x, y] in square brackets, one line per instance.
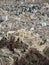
[24, 32]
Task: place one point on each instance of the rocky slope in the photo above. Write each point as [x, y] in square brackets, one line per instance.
[24, 32]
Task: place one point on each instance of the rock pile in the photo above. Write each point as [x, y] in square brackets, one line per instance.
[24, 32]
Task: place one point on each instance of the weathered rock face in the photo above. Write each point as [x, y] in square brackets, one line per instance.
[46, 51]
[5, 58]
[32, 57]
[24, 32]
[19, 47]
[27, 1]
